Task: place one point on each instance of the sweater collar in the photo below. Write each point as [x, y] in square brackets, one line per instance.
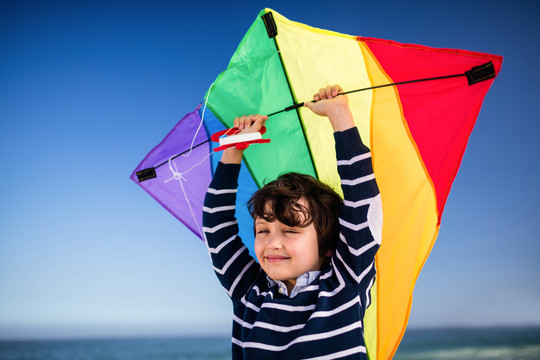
[301, 282]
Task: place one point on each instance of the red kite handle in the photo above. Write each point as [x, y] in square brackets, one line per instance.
[232, 131]
[240, 145]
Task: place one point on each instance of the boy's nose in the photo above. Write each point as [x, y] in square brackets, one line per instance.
[274, 242]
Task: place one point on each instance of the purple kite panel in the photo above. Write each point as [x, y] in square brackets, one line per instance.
[172, 159]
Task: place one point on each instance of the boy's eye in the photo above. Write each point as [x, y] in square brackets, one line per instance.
[291, 231]
[262, 231]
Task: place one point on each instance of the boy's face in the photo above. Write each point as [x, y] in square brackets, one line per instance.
[286, 252]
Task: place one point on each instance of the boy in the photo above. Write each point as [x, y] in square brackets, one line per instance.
[307, 295]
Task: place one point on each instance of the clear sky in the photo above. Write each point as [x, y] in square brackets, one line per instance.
[87, 89]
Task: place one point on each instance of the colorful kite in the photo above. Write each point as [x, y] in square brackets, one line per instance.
[415, 107]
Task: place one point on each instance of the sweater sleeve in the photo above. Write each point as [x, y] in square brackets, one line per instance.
[360, 215]
[234, 267]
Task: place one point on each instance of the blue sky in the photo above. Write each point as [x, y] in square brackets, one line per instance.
[88, 88]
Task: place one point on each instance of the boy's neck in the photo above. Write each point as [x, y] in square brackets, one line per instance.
[290, 284]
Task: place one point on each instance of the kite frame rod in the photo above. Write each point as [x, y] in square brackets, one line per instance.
[474, 75]
[182, 153]
[299, 105]
[402, 83]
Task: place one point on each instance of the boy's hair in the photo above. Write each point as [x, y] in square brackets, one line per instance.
[278, 200]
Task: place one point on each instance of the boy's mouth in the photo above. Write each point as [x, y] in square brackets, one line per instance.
[274, 259]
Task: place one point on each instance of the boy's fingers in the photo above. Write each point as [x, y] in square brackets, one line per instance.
[322, 94]
[254, 119]
[336, 89]
[246, 121]
[262, 118]
[258, 121]
[249, 121]
[240, 123]
[328, 91]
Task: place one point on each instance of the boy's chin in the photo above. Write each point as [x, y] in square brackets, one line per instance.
[280, 276]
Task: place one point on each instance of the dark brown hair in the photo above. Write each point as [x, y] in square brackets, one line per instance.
[278, 200]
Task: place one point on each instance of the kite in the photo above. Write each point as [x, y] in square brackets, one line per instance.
[415, 107]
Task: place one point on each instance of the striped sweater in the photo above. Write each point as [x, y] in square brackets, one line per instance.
[325, 319]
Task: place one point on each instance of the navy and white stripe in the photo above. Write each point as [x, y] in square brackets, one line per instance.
[325, 319]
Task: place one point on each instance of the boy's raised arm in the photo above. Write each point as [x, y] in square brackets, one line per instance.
[360, 216]
[233, 265]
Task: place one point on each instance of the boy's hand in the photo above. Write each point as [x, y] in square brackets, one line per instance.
[249, 123]
[246, 124]
[328, 103]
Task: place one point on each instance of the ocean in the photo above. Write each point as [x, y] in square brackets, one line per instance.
[518, 343]
[417, 344]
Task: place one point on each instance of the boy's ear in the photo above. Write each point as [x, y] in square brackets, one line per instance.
[329, 253]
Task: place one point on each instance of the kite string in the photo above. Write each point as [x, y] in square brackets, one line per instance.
[179, 176]
[200, 124]
[202, 119]
[198, 129]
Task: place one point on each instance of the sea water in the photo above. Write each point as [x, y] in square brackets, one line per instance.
[193, 348]
[417, 344]
[471, 344]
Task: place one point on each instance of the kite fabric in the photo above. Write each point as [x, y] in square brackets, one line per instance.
[417, 133]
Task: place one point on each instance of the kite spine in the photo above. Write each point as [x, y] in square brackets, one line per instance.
[272, 31]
